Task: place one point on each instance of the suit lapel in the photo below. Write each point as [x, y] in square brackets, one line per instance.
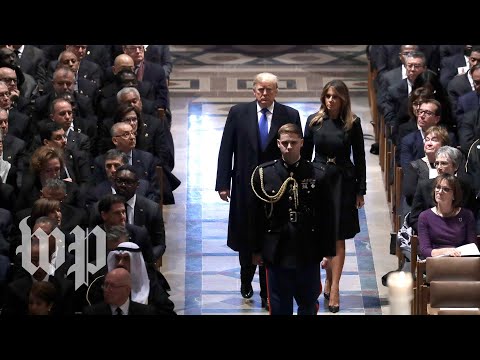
[276, 120]
[253, 132]
[139, 216]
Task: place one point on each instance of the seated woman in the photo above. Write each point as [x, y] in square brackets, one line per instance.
[424, 168]
[45, 163]
[446, 225]
[46, 207]
[447, 161]
[41, 298]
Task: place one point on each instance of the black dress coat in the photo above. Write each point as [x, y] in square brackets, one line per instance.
[241, 140]
[347, 178]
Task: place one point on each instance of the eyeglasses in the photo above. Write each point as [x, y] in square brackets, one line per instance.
[128, 182]
[425, 112]
[127, 134]
[5, 94]
[405, 53]
[112, 286]
[7, 80]
[414, 66]
[441, 163]
[442, 188]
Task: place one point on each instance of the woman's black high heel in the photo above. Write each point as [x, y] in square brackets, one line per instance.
[326, 295]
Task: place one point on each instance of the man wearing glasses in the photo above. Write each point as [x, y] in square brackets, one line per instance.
[411, 147]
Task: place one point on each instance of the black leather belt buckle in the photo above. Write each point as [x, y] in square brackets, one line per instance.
[293, 216]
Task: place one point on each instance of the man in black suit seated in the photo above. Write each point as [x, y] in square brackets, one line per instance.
[146, 284]
[12, 154]
[19, 124]
[154, 74]
[124, 139]
[116, 291]
[113, 160]
[64, 83]
[140, 210]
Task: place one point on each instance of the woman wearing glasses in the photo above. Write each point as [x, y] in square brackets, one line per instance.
[447, 225]
[447, 161]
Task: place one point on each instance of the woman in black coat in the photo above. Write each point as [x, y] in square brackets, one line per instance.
[336, 132]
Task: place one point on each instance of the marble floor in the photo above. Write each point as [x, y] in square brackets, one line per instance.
[206, 81]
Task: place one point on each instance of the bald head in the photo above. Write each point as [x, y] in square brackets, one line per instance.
[123, 61]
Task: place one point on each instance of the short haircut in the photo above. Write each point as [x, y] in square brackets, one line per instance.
[56, 101]
[128, 167]
[438, 111]
[116, 154]
[47, 129]
[42, 207]
[125, 91]
[105, 204]
[116, 233]
[44, 291]
[452, 153]
[116, 126]
[440, 132]
[265, 77]
[290, 129]
[454, 184]
[55, 184]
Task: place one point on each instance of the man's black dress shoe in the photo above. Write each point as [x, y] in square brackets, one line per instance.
[246, 290]
[265, 304]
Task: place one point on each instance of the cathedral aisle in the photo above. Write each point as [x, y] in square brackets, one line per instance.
[206, 81]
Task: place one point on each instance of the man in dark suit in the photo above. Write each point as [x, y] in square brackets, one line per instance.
[140, 210]
[471, 100]
[144, 163]
[151, 72]
[116, 293]
[32, 61]
[249, 146]
[469, 130]
[455, 64]
[160, 54]
[13, 151]
[113, 160]
[411, 147]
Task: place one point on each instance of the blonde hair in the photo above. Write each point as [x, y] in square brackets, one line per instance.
[265, 77]
[346, 114]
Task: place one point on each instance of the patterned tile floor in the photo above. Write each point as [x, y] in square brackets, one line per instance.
[203, 271]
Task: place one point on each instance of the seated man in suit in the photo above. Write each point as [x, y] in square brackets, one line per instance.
[117, 288]
[124, 139]
[12, 152]
[113, 160]
[411, 147]
[471, 100]
[140, 210]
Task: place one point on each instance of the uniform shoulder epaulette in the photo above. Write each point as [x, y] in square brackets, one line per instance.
[268, 163]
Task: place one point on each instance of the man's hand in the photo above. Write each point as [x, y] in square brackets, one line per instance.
[224, 195]
[257, 259]
[360, 201]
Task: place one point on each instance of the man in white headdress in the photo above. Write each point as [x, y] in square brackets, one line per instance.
[129, 256]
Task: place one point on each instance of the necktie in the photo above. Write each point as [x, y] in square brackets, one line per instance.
[263, 127]
[119, 311]
[128, 211]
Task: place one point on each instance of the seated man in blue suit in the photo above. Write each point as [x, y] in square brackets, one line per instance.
[411, 147]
